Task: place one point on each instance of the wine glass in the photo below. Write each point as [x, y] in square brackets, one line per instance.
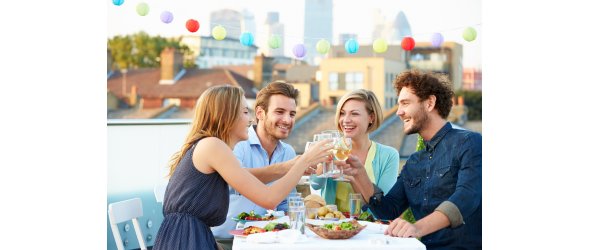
[341, 151]
[326, 169]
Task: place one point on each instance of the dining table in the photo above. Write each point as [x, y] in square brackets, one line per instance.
[371, 237]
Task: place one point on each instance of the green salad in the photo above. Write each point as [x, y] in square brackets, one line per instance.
[339, 226]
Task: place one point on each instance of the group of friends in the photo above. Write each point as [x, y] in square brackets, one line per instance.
[227, 165]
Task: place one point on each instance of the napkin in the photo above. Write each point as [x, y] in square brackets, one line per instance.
[288, 236]
[374, 227]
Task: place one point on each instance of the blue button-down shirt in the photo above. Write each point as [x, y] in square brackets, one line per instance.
[251, 154]
[449, 169]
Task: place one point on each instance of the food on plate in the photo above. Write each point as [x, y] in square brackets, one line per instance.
[326, 212]
[314, 201]
[366, 216]
[275, 226]
[342, 230]
[254, 216]
[253, 230]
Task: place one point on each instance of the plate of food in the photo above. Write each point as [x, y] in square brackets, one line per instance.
[270, 227]
[252, 216]
[344, 230]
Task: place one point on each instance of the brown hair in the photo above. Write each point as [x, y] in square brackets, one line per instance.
[216, 112]
[275, 88]
[371, 104]
[425, 84]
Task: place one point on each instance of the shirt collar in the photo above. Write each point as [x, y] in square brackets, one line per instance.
[254, 140]
[430, 145]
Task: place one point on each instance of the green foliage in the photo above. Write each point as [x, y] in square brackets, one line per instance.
[141, 50]
[472, 100]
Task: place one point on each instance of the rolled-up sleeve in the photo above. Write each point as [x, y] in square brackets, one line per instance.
[467, 196]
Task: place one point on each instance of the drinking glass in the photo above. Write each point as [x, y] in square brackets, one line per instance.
[326, 167]
[355, 204]
[297, 216]
[341, 151]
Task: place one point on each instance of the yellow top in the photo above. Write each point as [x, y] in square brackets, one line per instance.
[344, 188]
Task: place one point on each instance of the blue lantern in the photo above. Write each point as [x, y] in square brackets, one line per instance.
[352, 46]
[247, 39]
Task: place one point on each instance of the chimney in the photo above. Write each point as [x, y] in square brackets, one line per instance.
[170, 65]
[258, 70]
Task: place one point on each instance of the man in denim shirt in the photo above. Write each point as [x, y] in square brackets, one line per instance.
[442, 183]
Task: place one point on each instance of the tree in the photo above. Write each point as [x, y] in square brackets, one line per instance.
[141, 50]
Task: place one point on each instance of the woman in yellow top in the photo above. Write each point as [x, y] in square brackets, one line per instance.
[359, 113]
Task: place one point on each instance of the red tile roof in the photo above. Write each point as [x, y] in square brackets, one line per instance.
[191, 84]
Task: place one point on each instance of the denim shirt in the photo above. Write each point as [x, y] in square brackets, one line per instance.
[448, 169]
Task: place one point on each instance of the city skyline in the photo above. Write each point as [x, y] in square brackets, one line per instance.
[448, 17]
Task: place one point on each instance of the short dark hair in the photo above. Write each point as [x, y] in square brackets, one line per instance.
[424, 84]
[275, 88]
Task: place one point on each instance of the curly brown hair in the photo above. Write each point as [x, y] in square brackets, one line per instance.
[424, 84]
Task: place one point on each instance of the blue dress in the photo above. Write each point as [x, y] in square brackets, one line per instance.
[194, 202]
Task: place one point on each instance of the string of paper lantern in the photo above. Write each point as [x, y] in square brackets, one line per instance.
[322, 46]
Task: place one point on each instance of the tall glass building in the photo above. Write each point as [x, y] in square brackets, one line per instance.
[318, 25]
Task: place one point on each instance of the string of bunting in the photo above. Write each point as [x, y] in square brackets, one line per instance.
[322, 46]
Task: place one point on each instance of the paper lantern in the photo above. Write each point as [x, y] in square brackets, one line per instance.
[118, 2]
[437, 39]
[469, 34]
[247, 39]
[218, 32]
[299, 50]
[274, 42]
[322, 46]
[166, 16]
[192, 25]
[380, 45]
[352, 46]
[142, 9]
[408, 43]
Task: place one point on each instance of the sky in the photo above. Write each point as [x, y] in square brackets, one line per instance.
[448, 17]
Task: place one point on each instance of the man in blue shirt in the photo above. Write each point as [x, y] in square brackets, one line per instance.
[264, 154]
[440, 184]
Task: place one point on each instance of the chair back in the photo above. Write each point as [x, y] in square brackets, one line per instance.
[124, 211]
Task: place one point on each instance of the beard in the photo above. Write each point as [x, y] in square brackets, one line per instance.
[419, 119]
[271, 131]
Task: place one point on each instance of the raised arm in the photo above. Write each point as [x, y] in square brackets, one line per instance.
[212, 154]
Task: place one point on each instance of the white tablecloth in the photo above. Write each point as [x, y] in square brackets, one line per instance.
[371, 237]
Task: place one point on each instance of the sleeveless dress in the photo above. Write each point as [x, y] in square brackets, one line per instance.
[194, 202]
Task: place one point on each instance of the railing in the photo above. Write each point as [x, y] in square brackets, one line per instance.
[138, 151]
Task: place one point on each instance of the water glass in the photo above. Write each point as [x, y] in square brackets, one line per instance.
[355, 204]
[297, 216]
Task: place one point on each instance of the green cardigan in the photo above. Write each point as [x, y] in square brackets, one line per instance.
[385, 169]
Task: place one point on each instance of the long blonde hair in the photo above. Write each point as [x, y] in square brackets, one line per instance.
[216, 112]
[371, 104]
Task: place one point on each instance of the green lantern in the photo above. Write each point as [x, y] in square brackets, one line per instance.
[380, 45]
[218, 32]
[469, 34]
[274, 42]
[322, 46]
[142, 9]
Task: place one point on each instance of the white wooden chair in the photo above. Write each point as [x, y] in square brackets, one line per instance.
[124, 211]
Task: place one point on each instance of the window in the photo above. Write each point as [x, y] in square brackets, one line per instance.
[345, 81]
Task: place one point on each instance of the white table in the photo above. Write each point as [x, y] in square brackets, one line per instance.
[363, 241]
